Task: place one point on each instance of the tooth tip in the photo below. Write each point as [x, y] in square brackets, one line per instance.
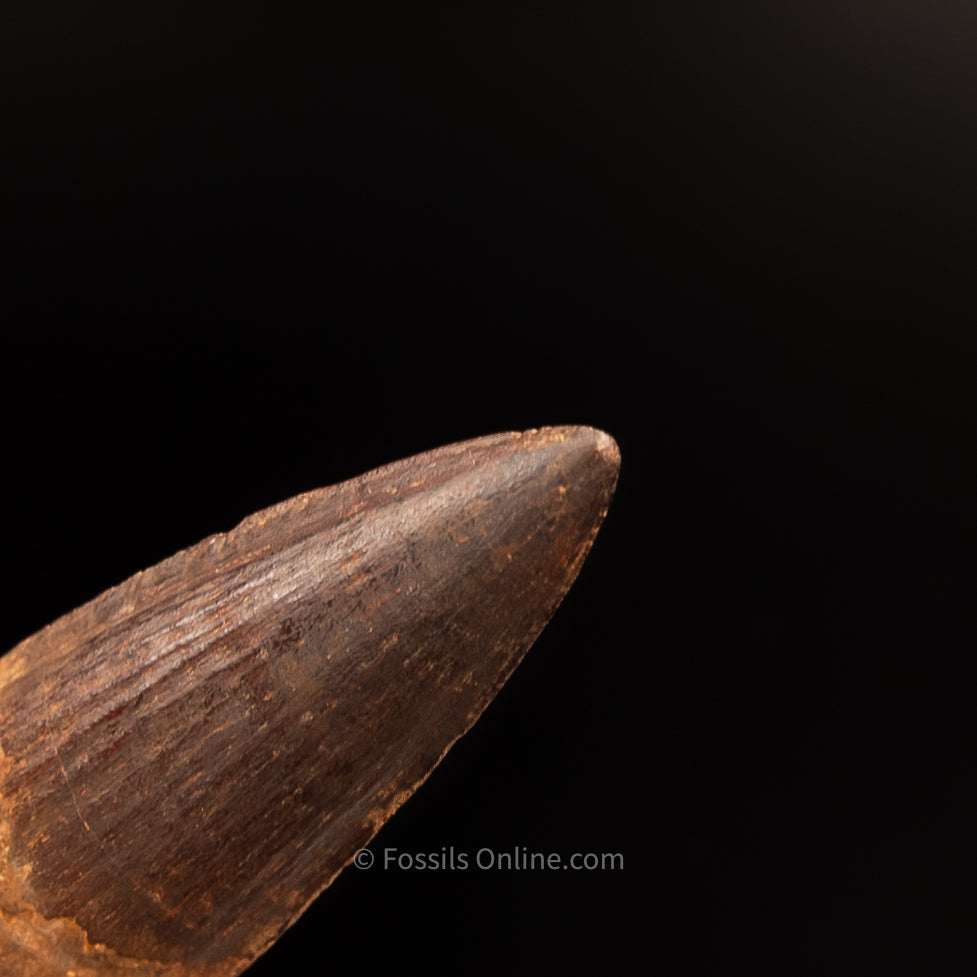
[607, 448]
[587, 439]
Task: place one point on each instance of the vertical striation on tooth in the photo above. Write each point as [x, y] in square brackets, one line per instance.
[189, 759]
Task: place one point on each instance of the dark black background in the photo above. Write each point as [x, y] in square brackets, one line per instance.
[254, 249]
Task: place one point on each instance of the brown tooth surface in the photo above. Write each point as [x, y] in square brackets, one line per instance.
[189, 759]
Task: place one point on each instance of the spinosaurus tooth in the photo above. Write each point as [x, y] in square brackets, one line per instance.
[188, 760]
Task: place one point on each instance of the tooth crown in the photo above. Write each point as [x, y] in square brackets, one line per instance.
[189, 759]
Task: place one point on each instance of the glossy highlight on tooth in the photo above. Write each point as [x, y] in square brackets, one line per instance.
[188, 760]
